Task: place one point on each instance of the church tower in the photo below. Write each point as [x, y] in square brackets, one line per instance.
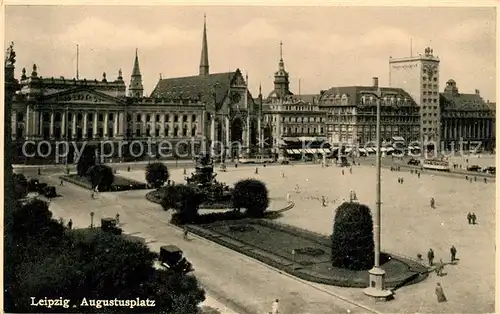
[204, 67]
[135, 89]
[281, 82]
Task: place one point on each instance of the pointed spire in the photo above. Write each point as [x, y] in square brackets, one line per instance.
[260, 88]
[135, 89]
[281, 64]
[204, 67]
[136, 71]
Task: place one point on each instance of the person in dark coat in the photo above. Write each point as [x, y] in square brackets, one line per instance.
[453, 252]
[70, 224]
[433, 203]
[469, 218]
[418, 174]
[440, 293]
[430, 257]
[473, 217]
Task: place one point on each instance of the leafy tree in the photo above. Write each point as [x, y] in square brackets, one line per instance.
[86, 161]
[157, 174]
[184, 199]
[352, 238]
[251, 194]
[101, 176]
[88, 264]
[20, 185]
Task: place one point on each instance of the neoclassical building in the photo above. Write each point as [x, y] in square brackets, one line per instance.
[191, 113]
[466, 118]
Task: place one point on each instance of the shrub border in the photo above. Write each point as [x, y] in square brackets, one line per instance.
[416, 269]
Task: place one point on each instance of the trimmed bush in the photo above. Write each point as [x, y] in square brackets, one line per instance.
[352, 238]
[251, 194]
[157, 174]
[86, 161]
[185, 199]
[101, 176]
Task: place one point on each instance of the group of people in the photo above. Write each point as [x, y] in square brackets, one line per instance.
[471, 218]
[441, 297]
[415, 172]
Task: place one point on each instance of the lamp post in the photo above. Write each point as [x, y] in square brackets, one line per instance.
[376, 286]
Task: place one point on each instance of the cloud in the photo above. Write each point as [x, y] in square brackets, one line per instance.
[96, 32]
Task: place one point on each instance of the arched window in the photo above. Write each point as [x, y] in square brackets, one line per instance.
[184, 131]
[193, 131]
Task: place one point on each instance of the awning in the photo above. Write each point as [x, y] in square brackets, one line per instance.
[309, 151]
[390, 149]
[289, 151]
[296, 151]
[348, 149]
[398, 139]
[416, 147]
[362, 150]
[370, 150]
[327, 151]
[383, 149]
[410, 147]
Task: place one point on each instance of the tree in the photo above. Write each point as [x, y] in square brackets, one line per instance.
[352, 238]
[86, 161]
[251, 194]
[184, 199]
[20, 185]
[101, 176]
[87, 263]
[157, 174]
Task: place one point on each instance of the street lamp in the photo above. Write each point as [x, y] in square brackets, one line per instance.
[376, 286]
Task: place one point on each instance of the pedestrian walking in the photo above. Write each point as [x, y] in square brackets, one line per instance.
[473, 217]
[433, 203]
[184, 172]
[402, 180]
[399, 168]
[475, 179]
[440, 293]
[70, 224]
[256, 170]
[117, 217]
[467, 178]
[275, 307]
[342, 171]
[323, 201]
[39, 172]
[453, 252]
[485, 180]
[128, 169]
[399, 180]
[469, 218]
[418, 175]
[186, 233]
[61, 183]
[440, 268]
[430, 257]
[350, 170]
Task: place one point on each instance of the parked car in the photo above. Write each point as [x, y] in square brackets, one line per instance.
[109, 225]
[33, 185]
[50, 191]
[490, 170]
[474, 168]
[414, 162]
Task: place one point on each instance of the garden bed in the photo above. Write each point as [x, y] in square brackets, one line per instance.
[119, 184]
[302, 253]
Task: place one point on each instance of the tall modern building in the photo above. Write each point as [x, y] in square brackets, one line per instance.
[419, 76]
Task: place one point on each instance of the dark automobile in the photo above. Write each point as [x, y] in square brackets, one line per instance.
[414, 162]
[490, 170]
[33, 185]
[50, 191]
[109, 225]
[171, 257]
[474, 168]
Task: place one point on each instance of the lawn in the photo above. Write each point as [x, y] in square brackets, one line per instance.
[302, 253]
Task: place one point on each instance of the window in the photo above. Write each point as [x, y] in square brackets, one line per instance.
[193, 131]
[138, 132]
[424, 85]
[101, 117]
[148, 132]
[184, 118]
[193, 118]
[148, 118]
[79, 117]
[111, 117]
[176, 131]
[435, 79]
[138, 118]
[184, 131]
[157, 132]
[167, 130]
[176, 119]
[157, 117]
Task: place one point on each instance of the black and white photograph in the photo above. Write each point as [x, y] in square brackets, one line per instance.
[250, 158]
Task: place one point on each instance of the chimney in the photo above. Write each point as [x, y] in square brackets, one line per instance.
[375, 82]
[477, 91]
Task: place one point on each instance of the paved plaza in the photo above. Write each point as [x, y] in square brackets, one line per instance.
[409, 227]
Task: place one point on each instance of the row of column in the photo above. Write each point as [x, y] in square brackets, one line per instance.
[34, 126]
[467, 128]
[226, 124]
[144, 124]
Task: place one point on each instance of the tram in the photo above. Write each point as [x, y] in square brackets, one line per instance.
[436, 164]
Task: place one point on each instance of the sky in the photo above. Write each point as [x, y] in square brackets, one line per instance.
[322, 46]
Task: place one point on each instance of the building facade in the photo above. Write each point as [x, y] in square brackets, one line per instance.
[419, 77]
[351, 114]
[467, 120]
[191, 113]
